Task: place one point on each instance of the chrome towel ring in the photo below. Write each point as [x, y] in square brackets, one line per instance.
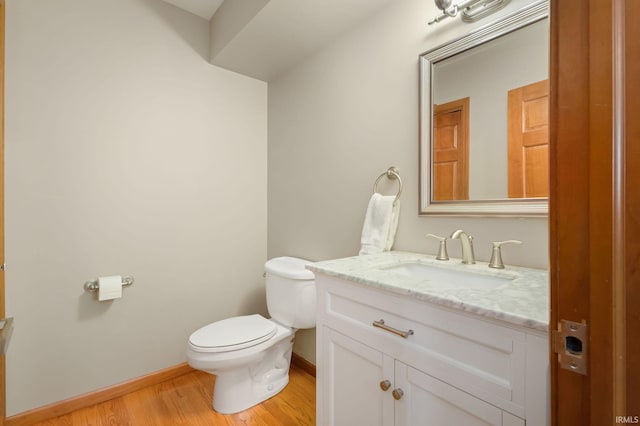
[391, 173]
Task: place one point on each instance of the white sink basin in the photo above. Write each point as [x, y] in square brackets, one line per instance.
[450, 278]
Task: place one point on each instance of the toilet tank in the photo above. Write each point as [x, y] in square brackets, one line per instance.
[291, 292]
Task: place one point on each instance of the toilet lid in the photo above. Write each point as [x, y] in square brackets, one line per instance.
[233, 333]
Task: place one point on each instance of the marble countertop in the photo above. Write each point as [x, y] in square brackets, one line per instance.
[522, 300]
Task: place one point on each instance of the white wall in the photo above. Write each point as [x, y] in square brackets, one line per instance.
[126, 153]
[339, 120]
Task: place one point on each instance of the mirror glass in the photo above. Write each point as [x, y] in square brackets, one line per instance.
[484, 120]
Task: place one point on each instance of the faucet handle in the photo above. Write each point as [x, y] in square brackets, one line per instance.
[496, 254]
[442, 249]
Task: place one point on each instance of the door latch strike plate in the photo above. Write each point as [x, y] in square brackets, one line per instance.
[570, 342]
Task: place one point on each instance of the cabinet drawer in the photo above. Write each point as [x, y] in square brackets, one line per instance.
[465, 351]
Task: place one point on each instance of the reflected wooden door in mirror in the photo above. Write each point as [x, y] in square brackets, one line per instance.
[451, 150]
[528, 126]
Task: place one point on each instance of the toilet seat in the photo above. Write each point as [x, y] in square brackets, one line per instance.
[232, 334]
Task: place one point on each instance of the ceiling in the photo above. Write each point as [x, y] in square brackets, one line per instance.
[203, 8]
[263, 38]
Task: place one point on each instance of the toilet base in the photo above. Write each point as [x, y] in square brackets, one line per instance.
[236, 392]
[241, 388]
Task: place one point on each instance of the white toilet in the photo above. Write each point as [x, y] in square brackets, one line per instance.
[250, 355]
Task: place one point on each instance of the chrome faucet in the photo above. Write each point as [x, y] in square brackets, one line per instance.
[466, 241]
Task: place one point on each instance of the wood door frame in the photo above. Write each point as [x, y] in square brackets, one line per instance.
[632, 201]
[3, 393]
[593, 219]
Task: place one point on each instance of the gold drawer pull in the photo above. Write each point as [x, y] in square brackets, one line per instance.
[382, 325]
[385, 385]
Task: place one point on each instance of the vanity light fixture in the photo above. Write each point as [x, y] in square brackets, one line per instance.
[471, 10]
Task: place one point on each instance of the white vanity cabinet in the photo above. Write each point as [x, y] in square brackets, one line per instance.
[452, 368]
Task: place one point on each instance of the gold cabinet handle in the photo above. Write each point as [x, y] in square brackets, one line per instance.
[382, 325]
[385, 385]
[397, 394]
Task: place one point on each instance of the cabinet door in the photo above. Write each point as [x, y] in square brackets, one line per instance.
[429, 401]
[351, 392]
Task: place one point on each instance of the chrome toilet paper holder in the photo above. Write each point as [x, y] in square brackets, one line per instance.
[94, 285]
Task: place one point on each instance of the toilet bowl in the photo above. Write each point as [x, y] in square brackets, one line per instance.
[250, 355]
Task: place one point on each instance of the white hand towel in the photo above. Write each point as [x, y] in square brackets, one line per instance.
[380, 224]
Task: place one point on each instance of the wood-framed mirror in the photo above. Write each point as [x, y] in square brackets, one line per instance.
[484, 137]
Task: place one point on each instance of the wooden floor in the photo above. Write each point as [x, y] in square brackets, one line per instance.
[186, 401]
